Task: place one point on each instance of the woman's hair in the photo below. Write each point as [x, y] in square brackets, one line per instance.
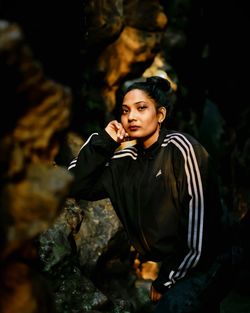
[157, 88]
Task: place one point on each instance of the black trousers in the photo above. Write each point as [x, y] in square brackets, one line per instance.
[200, 292]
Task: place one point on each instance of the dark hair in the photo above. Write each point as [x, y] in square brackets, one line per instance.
[157, 88]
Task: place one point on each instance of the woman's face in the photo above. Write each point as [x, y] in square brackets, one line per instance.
[140, 118]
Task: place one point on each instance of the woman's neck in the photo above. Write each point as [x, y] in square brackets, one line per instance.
[146, 142]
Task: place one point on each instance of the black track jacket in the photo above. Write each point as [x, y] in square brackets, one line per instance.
[165, 196]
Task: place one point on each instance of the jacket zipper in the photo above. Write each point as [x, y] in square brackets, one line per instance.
[142, 236]
[144, 240]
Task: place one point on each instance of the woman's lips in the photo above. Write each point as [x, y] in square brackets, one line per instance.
[133, 128]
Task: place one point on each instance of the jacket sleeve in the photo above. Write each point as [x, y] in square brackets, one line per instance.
[190, 163]
[89, 167]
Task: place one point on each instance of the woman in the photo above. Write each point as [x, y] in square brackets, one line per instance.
[164, 191]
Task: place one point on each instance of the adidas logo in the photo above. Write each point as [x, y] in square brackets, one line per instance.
[159, 173]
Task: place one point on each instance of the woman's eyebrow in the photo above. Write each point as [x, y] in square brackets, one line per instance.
[138, 102]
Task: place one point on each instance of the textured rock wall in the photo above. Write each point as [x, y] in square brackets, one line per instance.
[32, 187]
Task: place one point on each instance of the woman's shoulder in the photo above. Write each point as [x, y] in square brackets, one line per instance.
[180, 137]
[181, 144]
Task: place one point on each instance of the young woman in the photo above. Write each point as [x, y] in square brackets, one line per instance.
[164, 191]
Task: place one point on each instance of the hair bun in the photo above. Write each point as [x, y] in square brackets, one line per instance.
[159, 82]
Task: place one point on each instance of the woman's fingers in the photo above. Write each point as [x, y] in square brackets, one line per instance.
[116, 131]
[121, 133]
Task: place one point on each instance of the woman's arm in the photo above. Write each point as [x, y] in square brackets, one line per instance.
[89, 169]
[190, 163]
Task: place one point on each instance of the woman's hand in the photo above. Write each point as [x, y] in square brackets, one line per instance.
[116, 131]
[154, 295]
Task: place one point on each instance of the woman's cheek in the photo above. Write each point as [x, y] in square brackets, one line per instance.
[123, 121]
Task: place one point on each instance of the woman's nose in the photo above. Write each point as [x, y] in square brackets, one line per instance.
[132, 115]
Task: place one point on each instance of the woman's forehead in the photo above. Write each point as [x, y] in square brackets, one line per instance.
[136, 96]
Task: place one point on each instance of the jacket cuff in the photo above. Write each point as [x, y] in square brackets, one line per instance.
[159, 286]
[162, 279]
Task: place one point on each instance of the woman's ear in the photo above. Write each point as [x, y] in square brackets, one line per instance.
[162, 112]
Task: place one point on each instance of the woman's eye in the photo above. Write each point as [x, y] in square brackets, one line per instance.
[124, 111]
[141, 108]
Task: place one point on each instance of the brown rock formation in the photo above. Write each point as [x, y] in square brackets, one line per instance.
[127, 53]
[32, 188]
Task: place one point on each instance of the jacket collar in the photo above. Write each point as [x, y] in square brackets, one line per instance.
[155, 146]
